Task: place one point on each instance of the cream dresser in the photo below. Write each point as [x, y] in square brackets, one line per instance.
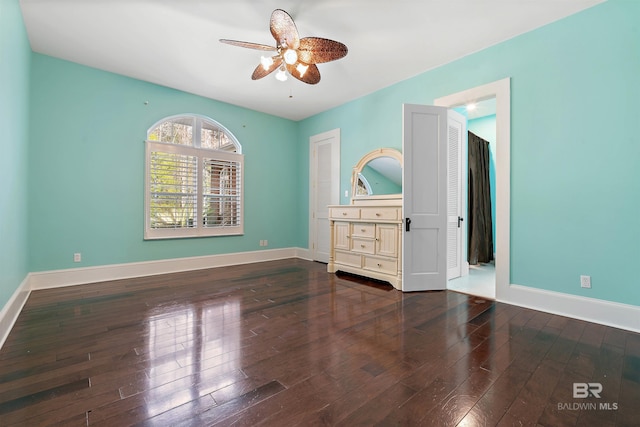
[366, 240]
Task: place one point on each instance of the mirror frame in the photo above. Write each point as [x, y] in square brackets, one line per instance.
[357, 169]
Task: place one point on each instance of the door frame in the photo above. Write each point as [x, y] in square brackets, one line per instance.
[501, 90]
[334, 136]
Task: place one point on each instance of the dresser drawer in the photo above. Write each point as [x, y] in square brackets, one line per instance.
[345, 213]
[348, 258]
[382, 265]
[380, 213]
[363, 246]
[362, 229]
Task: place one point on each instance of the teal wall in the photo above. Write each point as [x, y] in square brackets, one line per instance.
[15, 55]
[87, 169]
[485, 128]
[575, 153]
[574, 174]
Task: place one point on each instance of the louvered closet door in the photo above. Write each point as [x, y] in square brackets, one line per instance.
[456, 130]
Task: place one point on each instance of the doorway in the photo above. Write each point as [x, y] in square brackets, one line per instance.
[479, 279]
[491, 282]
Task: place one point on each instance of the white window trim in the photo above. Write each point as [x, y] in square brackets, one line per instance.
[201, 154]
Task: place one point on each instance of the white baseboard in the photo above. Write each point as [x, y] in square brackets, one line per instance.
[608, 313]
[304, 254]
[102, 273]
[617, 315]
[12, 309]
[77, 276]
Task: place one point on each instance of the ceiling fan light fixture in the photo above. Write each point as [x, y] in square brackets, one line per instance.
[266, 62]
[290, 56]
[301, 68]
[293, 55]
[281, 75]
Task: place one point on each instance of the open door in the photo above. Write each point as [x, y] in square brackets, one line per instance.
[456, 139]
[425, 150]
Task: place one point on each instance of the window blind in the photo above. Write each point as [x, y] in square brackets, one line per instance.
[221, 193]
[174, 186]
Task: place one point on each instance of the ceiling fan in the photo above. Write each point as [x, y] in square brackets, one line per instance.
[293, 54]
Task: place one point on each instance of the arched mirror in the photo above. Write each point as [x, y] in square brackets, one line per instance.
[378, 175]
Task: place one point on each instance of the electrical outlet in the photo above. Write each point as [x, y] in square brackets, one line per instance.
[346, 193]
[266, 243]
[77, 257]
[585, 282]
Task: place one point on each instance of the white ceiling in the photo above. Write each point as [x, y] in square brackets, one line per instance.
[175, 43]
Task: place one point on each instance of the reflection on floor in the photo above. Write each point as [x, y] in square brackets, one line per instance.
[481, 281]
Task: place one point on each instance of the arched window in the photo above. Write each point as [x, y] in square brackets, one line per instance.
[194, 179]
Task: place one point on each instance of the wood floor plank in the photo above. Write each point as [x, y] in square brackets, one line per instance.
[491, 407]
[286, 343]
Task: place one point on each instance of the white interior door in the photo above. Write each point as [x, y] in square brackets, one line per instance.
[457, 129]
[324, 182]
[424, 184]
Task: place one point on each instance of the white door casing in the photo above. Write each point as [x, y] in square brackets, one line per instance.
[424, 184]
[501, 90]
[324, 189]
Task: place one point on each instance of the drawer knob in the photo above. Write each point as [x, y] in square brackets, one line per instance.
[363, 230]
[344, 213]
[362, 246]
[379, 265]
[377, 214]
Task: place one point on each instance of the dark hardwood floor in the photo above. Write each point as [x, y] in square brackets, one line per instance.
[284, 343]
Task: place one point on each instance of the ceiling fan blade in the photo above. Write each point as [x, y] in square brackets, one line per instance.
[315, 50]
[310, 76]
[284, 29]
[248, 45]
[260, 72]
